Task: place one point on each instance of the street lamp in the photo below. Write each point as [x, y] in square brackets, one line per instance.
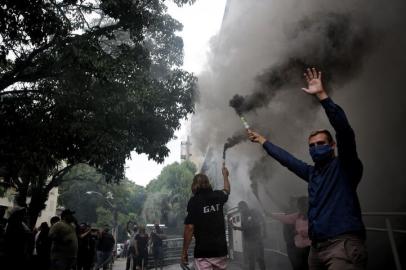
[109, 196]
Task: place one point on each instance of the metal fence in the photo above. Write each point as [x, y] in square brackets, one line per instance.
[389, 230]
[172, 251]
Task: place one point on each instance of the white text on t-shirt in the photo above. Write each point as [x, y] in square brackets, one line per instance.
[211, 208]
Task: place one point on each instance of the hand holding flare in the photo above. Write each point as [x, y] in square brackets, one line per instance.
[255, 137]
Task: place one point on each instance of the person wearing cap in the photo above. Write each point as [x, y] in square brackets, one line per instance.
[205, 221]
[336, 228]
[64, 242]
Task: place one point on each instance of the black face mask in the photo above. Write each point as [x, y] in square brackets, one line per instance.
[321, 153]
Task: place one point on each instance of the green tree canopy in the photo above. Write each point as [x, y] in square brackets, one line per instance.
[169, 193]
[127, 197]
[86, 82]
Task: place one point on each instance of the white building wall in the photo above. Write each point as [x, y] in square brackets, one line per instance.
[50, 209]
[46, 214]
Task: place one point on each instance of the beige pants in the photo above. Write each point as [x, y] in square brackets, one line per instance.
[346, 252]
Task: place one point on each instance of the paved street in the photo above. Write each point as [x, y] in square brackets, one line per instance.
[119, 264]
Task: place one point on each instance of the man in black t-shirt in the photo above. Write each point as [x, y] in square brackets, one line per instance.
[205, 220]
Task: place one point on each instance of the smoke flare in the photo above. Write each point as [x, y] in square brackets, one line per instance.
[232, 141]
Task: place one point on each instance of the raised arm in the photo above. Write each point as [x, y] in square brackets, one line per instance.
[225, 173]
[295, 165]
[345, 136]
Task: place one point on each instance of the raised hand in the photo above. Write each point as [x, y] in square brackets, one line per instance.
[314, 83]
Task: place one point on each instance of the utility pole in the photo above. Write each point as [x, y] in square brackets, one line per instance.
[185, 149]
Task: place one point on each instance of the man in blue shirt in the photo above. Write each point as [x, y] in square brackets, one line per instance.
[335, 224]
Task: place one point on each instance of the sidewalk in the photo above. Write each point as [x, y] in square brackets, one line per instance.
[119, 264]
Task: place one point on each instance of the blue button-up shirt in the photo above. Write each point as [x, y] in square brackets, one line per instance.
[334, 207]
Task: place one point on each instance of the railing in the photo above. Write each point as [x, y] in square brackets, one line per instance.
[173, 247]
[389, 230]
[172, 250]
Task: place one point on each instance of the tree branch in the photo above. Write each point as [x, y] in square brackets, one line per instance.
[14, 75]
[59, 8]
[83, 18]
[57, 177]
[11, 77]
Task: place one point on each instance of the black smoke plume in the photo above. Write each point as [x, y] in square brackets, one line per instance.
[337, 45]
[232, 141]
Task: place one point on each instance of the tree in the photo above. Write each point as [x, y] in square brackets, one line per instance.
[127, 197]
[86, 82]
[169, 193]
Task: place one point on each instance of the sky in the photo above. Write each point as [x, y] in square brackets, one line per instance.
[201, 22]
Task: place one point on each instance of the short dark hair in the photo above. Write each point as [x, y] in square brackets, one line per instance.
[54, 220]
[242, 205]
[322, 131]
[67, 212]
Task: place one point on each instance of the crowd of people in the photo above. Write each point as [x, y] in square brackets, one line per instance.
[63, 245]
[136, 248]
[66, 244]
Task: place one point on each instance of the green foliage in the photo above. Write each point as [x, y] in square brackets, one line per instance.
[105, 217]
[163, 200]
[169, 193]
[87, 82]
[96, 209]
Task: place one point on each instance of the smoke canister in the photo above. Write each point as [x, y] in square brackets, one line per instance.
[244, 122]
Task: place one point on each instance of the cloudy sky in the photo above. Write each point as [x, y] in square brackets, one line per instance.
[201, 21]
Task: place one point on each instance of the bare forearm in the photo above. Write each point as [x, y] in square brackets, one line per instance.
[187, 237]
[227, 186]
